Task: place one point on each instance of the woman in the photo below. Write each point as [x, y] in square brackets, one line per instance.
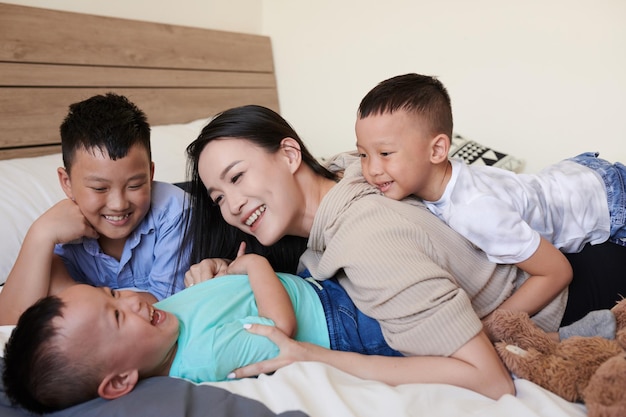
[251, 164]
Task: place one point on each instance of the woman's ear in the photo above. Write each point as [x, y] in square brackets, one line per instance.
[440, 148]
[66, 183]
[291, 149]
[116, 385]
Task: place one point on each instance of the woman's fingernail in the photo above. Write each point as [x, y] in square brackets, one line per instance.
[231, 375]
[247, 326]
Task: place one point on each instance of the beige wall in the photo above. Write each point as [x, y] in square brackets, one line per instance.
[539, 79]
[234, 15]
[542, 80]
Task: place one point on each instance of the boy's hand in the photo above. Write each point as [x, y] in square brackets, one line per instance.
[65, 223]
[205, 270]
[245, 262]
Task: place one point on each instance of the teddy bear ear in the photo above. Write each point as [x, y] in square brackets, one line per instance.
[619, 310]
[605, 394]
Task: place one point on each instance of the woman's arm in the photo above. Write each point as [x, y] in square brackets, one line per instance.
[271, 297]
[474, 366]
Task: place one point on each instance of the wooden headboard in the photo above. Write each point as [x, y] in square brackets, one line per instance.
[50, 59]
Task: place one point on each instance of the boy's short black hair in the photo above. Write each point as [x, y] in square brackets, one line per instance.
[415, 93]
[38, 375]
[108, 123]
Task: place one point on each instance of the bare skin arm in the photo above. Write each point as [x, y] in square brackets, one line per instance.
[550, 273]
[271, 297]
[37, 272]
[474, 366]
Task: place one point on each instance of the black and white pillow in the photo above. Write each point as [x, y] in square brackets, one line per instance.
[474, 153]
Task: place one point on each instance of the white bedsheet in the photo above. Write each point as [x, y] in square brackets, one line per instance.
[323, 391]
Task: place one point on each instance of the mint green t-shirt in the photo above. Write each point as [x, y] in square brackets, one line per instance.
[212, 341]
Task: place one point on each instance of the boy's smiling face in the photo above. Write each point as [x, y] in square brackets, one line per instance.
[395, 151]
[119, 329]
[113, 195]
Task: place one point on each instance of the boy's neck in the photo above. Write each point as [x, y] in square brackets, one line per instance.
[438, 182]
[112, 247]
[166, 366]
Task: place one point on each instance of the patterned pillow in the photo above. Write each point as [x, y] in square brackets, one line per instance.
[474, 153]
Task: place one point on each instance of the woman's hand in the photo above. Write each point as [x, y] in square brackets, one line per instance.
[290, 351]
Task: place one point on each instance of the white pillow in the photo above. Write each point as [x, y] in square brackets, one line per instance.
[169, 144]
[30, 185]
[475, 153]
[5, 333]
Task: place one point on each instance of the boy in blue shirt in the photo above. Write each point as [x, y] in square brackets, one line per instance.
[116, 228]
[100, 342]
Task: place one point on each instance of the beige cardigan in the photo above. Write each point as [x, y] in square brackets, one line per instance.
[424, 283]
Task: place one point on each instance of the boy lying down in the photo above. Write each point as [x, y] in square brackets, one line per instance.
[88, 342]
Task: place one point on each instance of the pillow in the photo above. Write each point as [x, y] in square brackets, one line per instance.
[169, 144]
[474, 153]
[30, 185]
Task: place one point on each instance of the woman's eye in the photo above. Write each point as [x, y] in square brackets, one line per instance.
[217, 200]
[236, 178]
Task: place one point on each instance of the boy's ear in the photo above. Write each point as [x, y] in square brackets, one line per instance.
[291, 149]
[66, 183]
[151, 170]
[440, 148]
[116, 385]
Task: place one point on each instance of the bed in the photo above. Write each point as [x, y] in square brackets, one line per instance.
[180, 77]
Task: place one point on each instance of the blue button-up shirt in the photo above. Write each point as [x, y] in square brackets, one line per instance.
[150, 260]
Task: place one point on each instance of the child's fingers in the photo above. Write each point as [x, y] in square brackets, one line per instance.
[242, 249]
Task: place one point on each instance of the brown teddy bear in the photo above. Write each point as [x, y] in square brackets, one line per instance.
[591, 370]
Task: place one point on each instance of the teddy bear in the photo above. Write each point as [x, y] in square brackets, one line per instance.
[591, 370]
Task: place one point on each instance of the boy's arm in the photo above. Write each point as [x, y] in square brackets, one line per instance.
[475, 366]
[37, 272]
[550, 273]
[271, 297]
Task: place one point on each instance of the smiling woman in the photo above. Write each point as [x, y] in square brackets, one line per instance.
[251, 163]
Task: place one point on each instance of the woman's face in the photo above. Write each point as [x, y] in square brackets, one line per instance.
[255, 190]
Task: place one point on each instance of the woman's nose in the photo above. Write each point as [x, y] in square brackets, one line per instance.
[236, 203]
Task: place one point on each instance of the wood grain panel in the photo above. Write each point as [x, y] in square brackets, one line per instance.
[24, 124]
[46, 75]
[28, 152]
[50, 59]
[32, 34]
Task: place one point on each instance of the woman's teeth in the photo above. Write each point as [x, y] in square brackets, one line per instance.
[250, 220]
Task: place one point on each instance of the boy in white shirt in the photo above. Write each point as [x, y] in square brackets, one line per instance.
[403, 133]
